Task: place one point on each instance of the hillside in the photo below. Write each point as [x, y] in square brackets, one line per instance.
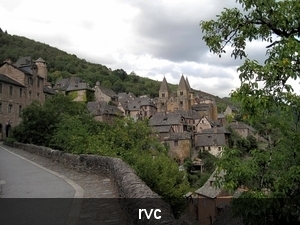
[63, 65]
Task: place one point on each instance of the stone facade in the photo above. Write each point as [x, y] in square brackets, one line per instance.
[20, 84]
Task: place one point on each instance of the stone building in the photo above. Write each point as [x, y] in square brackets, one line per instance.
[183, 99]
[20, 84]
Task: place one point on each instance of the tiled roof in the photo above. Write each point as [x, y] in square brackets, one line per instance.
[8, 80]
[218, 130]
[63, 84]
[22, 61]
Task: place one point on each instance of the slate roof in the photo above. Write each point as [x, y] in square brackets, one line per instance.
[22, 61]
[208, 189]
[78, 86]
[40, 60]
[162, 129]
[71, 84]
[208, 139]
[241, 125]
[166, 119]
[164, 87]
[179, 136]
[216, 130]
[182, 84]
[49, 91]
[108, 92]
[8, 80]
[102, 108]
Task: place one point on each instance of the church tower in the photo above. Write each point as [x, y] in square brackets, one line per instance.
[164, 95]
[191, 93]
[183, 95]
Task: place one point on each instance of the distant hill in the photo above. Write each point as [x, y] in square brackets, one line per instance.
[63, 65]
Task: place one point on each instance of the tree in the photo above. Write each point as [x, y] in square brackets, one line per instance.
[266, 98]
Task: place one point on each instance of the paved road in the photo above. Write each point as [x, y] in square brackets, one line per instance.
[95, 202]
[32, 194]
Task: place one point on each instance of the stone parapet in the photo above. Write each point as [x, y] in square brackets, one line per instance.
[133, 192]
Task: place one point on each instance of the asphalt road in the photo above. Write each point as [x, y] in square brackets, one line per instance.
[32, 194]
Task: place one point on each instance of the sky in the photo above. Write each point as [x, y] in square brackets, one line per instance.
[155, 39]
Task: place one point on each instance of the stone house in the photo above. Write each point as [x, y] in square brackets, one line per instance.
[180, 145]
[76, 88]
[105, 94]
[138, 108]
[20, 84]
[173, 119]
[211, 202]
[206, 106]
[103, 112]
[212, 140]
[243, 129]
[202, 124]
[231, 110]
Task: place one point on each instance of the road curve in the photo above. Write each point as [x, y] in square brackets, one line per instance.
[33, 194]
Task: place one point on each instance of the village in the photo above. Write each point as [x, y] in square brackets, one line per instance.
[186, 121]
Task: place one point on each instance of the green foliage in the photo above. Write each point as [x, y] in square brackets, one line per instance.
[39, 121]
[267, 101]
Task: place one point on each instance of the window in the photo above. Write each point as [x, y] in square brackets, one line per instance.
[38, 82]
[20, 110]
[0, 107]
[9, 110]
[163, 95]
[0, 87]
[21, 92]
[209, 148]
[38, 95]
[10, 90]
[181, 93]
[29, 94]
[176, 143]
[30, 80]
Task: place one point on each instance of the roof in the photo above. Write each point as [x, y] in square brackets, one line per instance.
[204, 140]
[8, 80]
[40, 60]
[78, 86]
[241, 125]
[164, 87]
[179, 136]
[208, 189]
[71, 84]
[102, 108]
[163, 129]
[107, 91]
[188, 84]
[182, 84]
[21, 69]
[216, 130]
[49, 91]
[22, 61]
[172, 118]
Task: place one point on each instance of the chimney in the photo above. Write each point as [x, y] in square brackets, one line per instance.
[8, 60]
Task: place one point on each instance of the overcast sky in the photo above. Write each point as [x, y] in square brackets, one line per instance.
[152, 38]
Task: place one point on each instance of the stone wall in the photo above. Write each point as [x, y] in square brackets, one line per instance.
[134, 193]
